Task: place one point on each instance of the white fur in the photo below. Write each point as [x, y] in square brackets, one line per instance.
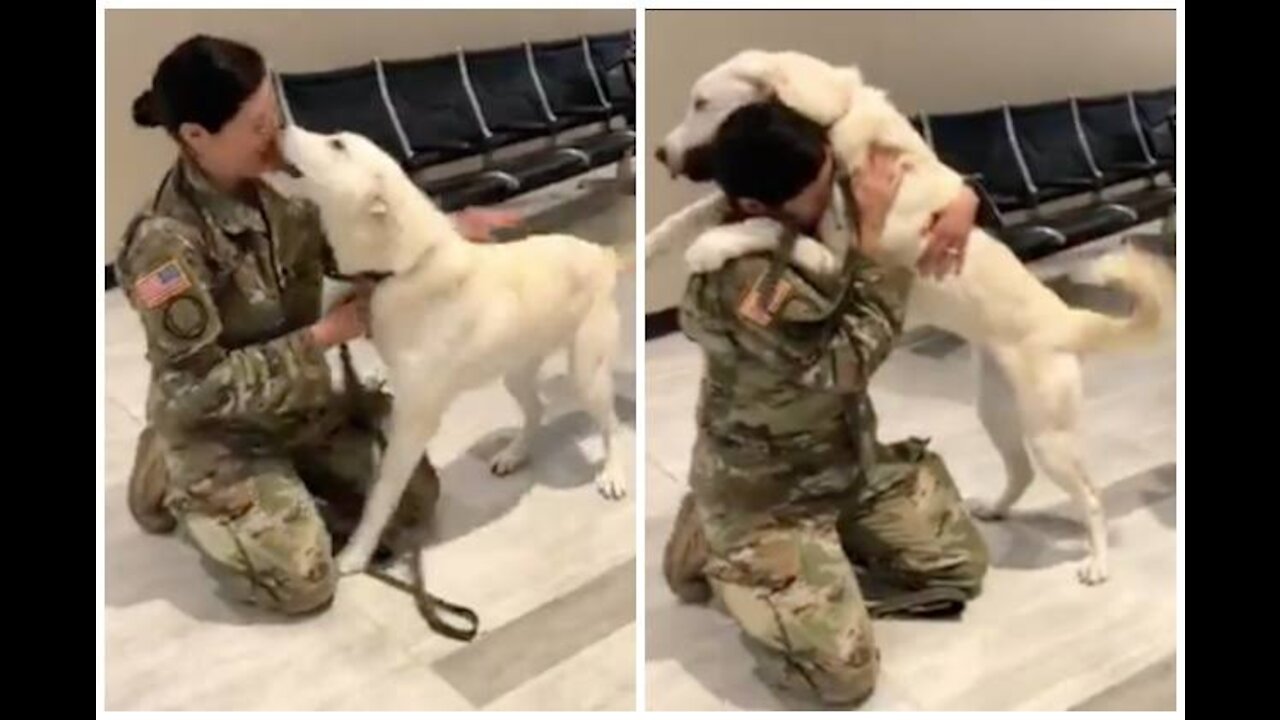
[455, 314]
[1029, 341]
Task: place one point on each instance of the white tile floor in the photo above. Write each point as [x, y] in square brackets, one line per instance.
[505, 547]
[1035, 639]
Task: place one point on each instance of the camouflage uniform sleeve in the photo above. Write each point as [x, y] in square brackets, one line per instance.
[168, 281]
[824, 343]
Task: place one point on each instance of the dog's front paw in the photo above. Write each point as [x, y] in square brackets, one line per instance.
[352, 560]
[612, 483]
[705, 256]
[985, 511]
[1092, 572]
[814, 257]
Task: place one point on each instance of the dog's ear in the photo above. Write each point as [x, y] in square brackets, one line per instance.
[811, 87]
[753, 66]
[376, 199]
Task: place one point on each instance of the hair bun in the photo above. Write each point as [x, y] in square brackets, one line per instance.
[144, 110]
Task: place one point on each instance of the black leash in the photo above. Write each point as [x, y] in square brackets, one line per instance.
[331, 269]
[781, 254]
[432, 608]
[791, 233]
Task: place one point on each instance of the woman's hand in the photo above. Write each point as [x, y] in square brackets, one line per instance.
[875, 187]
[948, 235]
[345, 321]
[478, 224]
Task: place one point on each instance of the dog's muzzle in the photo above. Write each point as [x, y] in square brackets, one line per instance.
[695, 163]
[661, 156]
[698, 163]
[290, 169]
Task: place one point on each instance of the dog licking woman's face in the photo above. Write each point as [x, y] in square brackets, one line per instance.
[245, 147]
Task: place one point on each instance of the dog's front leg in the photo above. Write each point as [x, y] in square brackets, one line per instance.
[405, 446]
[686, 223]
[719, 245]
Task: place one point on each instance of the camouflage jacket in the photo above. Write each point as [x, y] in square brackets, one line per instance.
[225, 292]
[785, 381]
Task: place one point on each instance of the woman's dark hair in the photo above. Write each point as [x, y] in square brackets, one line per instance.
[204, 80]
[768, 152]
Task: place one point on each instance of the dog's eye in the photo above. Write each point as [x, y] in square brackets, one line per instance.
[337, 144]
[699, 103]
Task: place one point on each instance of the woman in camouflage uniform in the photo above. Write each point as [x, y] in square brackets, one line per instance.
[249, 446]
[790, 487]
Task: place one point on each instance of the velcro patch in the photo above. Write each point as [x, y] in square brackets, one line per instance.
[753, 308]
[186, 318]
[157, 286]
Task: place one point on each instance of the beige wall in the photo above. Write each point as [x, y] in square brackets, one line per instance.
[292, 40]
[937, 61]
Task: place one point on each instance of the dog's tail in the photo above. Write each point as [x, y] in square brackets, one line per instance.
[1149, 281]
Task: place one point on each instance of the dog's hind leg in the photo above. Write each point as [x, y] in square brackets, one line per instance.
[523, 386]
[1053, 404]
[998, 409]
[405, 445]
[1058, 455]
[591, 366]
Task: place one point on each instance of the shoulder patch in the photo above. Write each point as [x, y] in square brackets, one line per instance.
[156, 287]
[185, 318]
[755, 308]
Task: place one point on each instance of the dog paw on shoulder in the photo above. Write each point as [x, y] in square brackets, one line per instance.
[704, 256]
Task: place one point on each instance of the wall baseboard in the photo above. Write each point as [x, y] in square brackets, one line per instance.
[663, 322]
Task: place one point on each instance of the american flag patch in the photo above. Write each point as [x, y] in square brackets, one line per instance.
[161, 284]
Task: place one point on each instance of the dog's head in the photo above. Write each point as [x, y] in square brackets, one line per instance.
[806, 84]
[359, 191]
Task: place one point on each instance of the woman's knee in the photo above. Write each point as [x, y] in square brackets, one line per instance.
[848, 676]
[301, 584]
[304, 589]
[972, 569]
[811, 638]
[276, 555]
[843, 673]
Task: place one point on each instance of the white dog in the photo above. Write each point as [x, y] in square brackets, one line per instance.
[1028, 340]
[450, 315]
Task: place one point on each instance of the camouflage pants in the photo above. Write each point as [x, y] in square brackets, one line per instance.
[262, 521]
[785, 574]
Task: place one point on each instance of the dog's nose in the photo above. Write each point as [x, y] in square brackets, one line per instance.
[661, 154]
